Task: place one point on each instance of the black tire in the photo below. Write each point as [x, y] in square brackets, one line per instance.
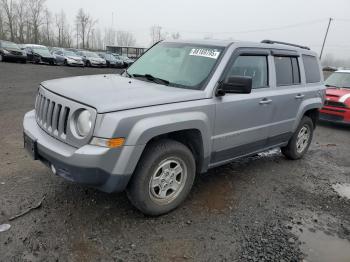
[139, 191]
[292, 150]
[24, 61]
[1, 58]
[65, 63]
[88, 64]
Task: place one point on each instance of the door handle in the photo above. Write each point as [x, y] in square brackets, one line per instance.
[299, 96]
[265, 101]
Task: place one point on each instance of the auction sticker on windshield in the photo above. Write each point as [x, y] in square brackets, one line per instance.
[211, 53]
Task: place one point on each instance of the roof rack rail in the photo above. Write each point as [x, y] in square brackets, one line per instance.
[284, 43]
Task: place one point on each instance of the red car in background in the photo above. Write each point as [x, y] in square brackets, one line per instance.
[337, 104]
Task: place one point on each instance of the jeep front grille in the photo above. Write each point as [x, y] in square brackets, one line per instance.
[53, 114]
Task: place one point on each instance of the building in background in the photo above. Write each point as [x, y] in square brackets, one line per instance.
[129, 51]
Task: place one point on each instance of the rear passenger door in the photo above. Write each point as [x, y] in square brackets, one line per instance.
[289, 92]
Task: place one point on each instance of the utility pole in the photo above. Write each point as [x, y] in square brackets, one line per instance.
[325, 37]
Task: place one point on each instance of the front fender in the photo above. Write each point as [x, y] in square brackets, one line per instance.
[148, 128]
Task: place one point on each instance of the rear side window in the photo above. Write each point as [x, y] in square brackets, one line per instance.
[287, 70]
[312, 69]
[253, 66]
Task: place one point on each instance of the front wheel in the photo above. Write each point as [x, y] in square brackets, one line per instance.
[300, 141]
[1, 58]
[163, 177]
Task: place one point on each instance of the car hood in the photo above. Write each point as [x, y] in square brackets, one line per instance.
[109, 93]
[338, 94]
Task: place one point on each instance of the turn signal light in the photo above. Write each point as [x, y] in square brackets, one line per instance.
[108, 142]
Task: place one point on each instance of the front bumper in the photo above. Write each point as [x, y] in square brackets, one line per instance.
[75, 63]
[98, 64]
[335, 115]
[106, 169]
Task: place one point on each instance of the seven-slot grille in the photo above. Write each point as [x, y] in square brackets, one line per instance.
[52, 116]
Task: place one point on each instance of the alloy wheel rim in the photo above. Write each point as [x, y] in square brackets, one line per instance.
[303, 138]
[168, 180]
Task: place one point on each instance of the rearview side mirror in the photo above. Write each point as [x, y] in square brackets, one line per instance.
[235, 85]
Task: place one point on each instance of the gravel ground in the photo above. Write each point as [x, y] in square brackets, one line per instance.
[262, 208]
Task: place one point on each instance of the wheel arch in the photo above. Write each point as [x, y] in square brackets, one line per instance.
[191, 128]
[310, 108]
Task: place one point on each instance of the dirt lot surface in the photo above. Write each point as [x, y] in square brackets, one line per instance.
[262, 208]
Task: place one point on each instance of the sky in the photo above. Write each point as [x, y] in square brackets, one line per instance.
[298, 21]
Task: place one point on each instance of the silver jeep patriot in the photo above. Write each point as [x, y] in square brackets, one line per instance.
[180, 109]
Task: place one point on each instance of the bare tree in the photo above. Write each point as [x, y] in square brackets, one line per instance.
[110, 36]
[48, 37]
[85, 24]
[125, 38]
[9, 10]
[157, 34]
[90, 32]
[175, 35]
[2, 26]
[99, 43]
[21, 19]
[62, 28]
[36, 8]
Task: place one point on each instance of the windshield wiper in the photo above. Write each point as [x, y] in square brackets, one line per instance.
[153, 79]
[126, 72]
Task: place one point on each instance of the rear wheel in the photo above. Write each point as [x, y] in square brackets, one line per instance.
[88, 63]
[300, 141]
[163, 177]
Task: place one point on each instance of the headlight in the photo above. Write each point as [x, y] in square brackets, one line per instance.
[84, 123]
[6, 52]
[70, 60]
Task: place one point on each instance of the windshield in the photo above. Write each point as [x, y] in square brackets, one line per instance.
[183, 65]
[69, 53]
[41, 50]
[91, 54]
[9, 45]
[339, 80]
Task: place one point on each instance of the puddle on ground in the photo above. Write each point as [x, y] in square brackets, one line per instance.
[214, 194]
[271, 152]
[320, 247]
[343, 190]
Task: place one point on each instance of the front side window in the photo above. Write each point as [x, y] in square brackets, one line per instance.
[181, 64]
[287, 70]
[312, 69]
[252, 66]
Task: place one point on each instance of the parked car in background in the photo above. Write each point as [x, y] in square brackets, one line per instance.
[111, 60]
[39, 54]
[126, 60]
[92, 59]
[337, 104]
[11, 52]
[65, 57]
